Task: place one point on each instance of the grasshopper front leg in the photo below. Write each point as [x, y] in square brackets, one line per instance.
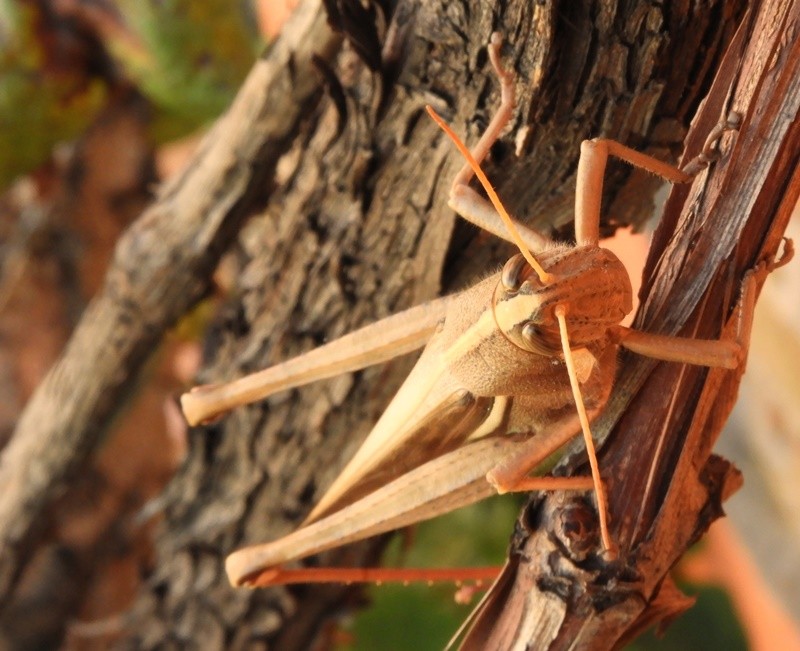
[512, 473]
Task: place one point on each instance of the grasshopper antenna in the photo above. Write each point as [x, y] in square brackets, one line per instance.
[545, 277]
[599, 489]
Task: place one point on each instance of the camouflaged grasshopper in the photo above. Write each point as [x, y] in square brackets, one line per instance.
[513, 368]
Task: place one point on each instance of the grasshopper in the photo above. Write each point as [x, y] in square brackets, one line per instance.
[512, 369]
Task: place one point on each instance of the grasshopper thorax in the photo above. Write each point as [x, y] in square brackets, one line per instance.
[589, 281]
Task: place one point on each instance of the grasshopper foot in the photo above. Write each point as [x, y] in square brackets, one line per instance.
[711, 151]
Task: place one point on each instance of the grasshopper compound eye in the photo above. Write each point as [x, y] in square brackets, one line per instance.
[516, 271]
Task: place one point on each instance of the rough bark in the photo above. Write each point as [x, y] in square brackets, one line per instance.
[355, 228]
[161, 267]
[666, 487]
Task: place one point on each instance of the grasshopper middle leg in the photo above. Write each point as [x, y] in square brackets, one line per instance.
[731, 352]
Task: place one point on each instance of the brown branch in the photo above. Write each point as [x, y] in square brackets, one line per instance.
[360, 229]
[663, 419]
[162, 266]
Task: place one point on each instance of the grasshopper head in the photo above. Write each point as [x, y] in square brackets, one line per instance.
[590, 281]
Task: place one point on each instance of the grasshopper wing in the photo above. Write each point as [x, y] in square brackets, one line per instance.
[428, 417]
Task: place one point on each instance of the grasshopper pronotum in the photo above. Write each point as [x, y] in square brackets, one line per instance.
[512, 369]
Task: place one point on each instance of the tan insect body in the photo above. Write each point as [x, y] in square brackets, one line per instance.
[514, 367]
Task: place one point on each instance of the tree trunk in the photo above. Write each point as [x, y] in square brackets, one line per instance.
[355, 227]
